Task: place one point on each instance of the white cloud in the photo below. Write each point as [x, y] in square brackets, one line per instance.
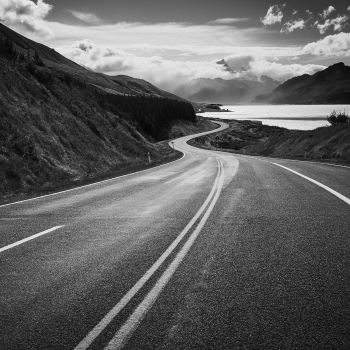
[327, 12]
[171, 73]
[290, 26]
[280, 71]
[293, 58]
[84, 45]
[167, 74]
[331, 45]
[274, 15]
[308, 12]
[86, 17]
[26, 14]
[237, 61]
[337, 24]
[258, 66]
[228, 20]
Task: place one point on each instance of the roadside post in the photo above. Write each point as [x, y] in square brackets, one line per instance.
[172, 143]
[149, 158]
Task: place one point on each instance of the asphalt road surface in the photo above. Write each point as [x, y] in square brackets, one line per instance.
[213, 251]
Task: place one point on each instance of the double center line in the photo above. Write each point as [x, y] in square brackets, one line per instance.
[127, 329]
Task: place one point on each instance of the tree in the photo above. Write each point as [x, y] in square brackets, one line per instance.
[338, 118]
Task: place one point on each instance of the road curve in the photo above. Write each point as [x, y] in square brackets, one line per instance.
[214, 251]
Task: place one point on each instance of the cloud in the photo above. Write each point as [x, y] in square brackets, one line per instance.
[290, 26]
[308, 12]
[228, 20]
[280, 71]
[337, 24]
[84, 45]
[274, 15]
[27, 15]
[86, 17]
[167, 74]
[331, 45]
[327, 12]
[238, 61]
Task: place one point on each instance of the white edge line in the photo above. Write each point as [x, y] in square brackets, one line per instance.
[113, 178]
[95, 332]
[126, 331]
[286, 159]
[335, 193]
[92, 184]
[29, 238]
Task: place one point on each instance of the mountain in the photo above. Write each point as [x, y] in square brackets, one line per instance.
[120, 84]
[226, 91]
[332, 85]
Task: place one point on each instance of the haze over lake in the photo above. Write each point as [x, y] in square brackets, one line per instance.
[300, 117]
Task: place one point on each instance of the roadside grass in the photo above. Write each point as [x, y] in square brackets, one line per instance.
[326, 144]
[57, 186]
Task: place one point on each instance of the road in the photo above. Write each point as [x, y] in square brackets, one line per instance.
[213, 251]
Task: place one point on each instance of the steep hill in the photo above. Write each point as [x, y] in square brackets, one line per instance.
[225, 91]
[56, 127]
[331, 85]
[120, 84]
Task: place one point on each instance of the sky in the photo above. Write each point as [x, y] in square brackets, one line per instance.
[170, 42]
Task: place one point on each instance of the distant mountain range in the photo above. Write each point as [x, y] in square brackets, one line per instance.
[331, 85]
[120, 84]
[237, 90]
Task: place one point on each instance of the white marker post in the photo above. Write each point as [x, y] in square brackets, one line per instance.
[149, 158]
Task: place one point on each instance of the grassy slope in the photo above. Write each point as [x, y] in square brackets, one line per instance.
[56, 134]
[331, 143]
[328, 143]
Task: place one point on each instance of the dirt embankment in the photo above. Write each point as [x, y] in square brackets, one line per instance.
[249, 137]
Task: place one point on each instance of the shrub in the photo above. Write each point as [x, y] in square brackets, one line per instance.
[338, 118]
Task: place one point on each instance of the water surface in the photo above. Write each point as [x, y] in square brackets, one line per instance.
[300, 117]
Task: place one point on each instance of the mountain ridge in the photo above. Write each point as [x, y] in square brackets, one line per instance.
[227, 91]
[120, 84]
[331, 85]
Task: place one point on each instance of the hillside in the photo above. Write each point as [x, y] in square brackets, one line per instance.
[225, 91]
[56, 128]
[330, 143]
[120, 84]
[331, 85]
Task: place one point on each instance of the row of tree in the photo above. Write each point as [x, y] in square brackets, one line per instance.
[152, 113]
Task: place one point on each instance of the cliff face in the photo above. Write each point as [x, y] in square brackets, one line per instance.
[331, 85]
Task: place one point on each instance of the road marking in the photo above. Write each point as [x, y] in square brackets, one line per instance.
[337, 194]
[292, 160]
[29, 238]
[114, 178]
[96, 331]
[126, 331]
[95, 183]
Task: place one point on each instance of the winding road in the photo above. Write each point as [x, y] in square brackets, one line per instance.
[212, 251]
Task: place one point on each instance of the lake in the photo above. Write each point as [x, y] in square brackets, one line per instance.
[300, 117]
